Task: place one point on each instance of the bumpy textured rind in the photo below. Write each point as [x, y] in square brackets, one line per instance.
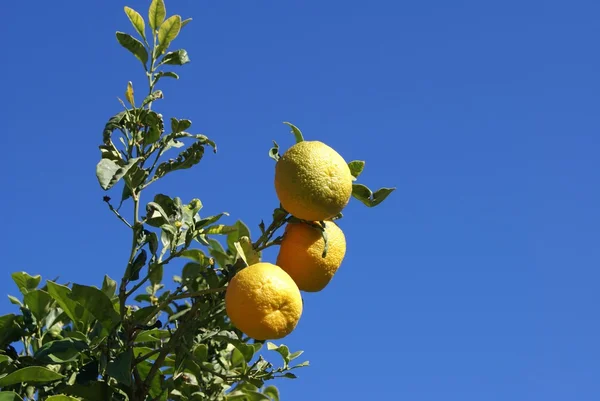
[312, 181]
[301, 254]
[264, 302]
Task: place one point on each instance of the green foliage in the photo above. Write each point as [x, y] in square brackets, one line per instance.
[140, 338]
[135, 339]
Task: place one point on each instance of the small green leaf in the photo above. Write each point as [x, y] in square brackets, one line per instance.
[25, 282]
[201, 353]
[97, 303]
[177, 57]
[30, 374]
[185, 22]
[156, 14]
[38, 302]
[237, 359]
[153, 243]
[60, 351]
[92, 391]
[156, 216]
[134, 46]
[296, 132]
[282, 350]
[109, 286]
[370, 199]
[167, 74]
[196, 255]
[14, 300]
[151, 98]
[295, 355]
[156, 274]
[247, 395]
[61, 398]
[109, 173]
[290, 376]
[9, 396]
[9, 330]
[356, 167]
[180, 125]
[167, 32]
[75, 311]
[129, 94]
[137, 21]
[274, 152]
[120, 367]
[186, 159]
[272, 392]
[133, 270]
[240, 252]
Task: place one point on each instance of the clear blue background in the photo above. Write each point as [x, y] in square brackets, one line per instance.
[476, 280]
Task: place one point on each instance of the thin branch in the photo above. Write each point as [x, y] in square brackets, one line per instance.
[112, 209]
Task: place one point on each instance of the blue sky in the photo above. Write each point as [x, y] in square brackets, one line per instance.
[476, 280]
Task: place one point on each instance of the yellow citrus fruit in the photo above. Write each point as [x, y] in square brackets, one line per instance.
[301, 254]
[313, 182]
[263, 301]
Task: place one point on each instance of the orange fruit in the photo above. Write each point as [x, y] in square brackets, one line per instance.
[263, 301]
[312, 181]
[301, 254]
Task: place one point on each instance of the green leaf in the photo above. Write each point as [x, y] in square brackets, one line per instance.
[30, 374]
[370, 199]
[137, 21]
[14, 300]
[237, 360]
[167, 74]
[157, 216]
[61, 398]
[97, 303]
[196, 255]
[272, 392]
[38, 302]
[290, 376]
[180, 125]
[177, 57]
[109, 173]
[113, 123]
[186, 159]
[247, 350]
[93, 391]
[75, 311]
[296, 132]
[167, 32]
[153, 243]
[25, 282]
[133, 270]
[9, 330]
[185, 22]
[129, 94]
[282, 350]
[201, 353]
[9, 396]
[156, 273]
[156, 14]
[120, 367]
[247, 396]
[152, 97]
[60, 351]
[356, 167]
[134, 46]
[109, 286]
[274, 152]
[295, 355]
